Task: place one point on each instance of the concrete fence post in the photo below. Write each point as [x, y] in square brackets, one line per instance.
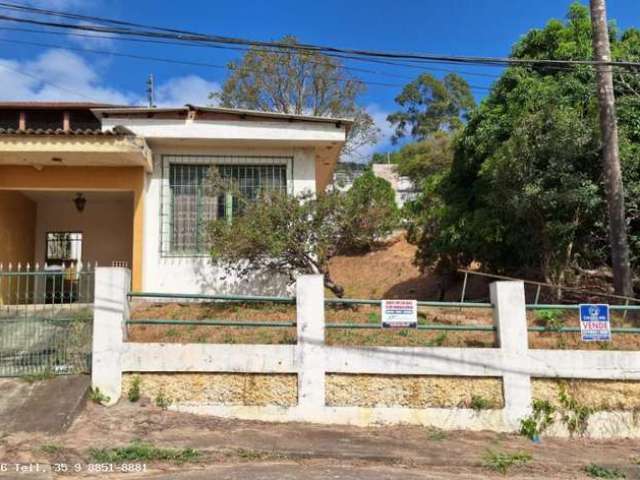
[111, 311]
[309, 349]
[510, 317]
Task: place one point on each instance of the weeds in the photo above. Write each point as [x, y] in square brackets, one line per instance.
[134, 390]
[540, 419]
[51, 448]
[435, 434]
[551, 319]
[172, 332]
[502, 461]
[438, 341]
[162, 400]
[597, 471]
[575, 415]
[141, 451]
[46, 374]
[478, 402]
[96, 396]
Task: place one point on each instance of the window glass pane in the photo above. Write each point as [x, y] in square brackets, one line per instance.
[194, 205]
[64, 247]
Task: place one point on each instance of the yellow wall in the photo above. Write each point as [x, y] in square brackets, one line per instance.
[17, 237]
[129, 179]
[17, 228]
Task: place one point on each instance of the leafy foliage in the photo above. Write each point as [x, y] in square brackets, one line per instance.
[298, 82]
[293, 235]
[430, 105]
[598, 471]
[575, 415]
[524, 193]
[540, 419]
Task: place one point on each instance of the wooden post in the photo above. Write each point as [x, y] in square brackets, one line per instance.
[610, 152]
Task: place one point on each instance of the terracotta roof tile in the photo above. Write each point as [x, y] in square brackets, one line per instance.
[116, 131]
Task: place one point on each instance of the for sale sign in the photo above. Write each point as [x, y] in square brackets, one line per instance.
[399, 314]
[595, 325]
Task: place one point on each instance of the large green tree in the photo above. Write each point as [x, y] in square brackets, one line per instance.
[429, 105]
[297, 81]
[525, 192]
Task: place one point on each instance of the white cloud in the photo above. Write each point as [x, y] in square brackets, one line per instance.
[188, 89]
[62, 75]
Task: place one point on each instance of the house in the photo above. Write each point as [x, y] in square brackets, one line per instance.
[403, 186]
[121, 185]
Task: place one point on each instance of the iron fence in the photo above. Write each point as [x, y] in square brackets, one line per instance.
[46, 318]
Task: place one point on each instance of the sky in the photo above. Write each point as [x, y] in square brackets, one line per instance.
[62, 68]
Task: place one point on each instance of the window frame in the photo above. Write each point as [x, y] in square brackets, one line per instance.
[211, 160]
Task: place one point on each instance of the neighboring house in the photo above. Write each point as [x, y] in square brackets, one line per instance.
[123, 185]
[403, 186]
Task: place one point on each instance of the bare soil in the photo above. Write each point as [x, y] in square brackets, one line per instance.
[399, 451]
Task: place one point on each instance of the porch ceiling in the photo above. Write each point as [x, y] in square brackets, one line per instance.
[73, 150]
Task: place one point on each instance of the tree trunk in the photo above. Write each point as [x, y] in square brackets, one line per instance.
[610, 153]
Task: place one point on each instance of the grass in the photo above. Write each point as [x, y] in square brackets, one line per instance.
[501, 462]
[138, 451]
[51, 448]
[96, 396]
[435, 434]
[46, 374]
[363, 314]
[256, 455]
[597, 471]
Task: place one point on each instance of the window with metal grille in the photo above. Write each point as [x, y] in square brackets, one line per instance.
[193, 203]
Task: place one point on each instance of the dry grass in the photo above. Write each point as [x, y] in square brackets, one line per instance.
[351, 337]
[384, 273]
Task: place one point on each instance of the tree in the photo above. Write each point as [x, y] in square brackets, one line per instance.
[610, 152]
[429, 105]
[525, 191]
[296, 81]
[420, 160]
[370, 212]
[293, 235]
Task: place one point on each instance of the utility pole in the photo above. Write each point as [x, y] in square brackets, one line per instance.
[610, 153]
[150, 91]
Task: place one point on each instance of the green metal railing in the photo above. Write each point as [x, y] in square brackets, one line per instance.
[364, 325]
[291, 301]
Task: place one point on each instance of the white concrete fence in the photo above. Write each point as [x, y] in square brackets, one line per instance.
[311, 359]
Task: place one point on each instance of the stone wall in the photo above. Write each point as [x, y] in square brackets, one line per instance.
[218, 388]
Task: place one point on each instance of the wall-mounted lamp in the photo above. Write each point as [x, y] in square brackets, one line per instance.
[80, 202]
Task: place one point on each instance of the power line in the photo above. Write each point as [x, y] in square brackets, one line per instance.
[161, 32]
[190, 63]
[245, 49]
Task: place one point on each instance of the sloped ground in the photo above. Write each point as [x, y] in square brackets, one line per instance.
[242, 449]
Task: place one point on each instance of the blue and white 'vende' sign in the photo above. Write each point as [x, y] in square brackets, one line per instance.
[399, 313]
[594, 323]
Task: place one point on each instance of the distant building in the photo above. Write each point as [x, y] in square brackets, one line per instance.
[403, 186]
[346, 173]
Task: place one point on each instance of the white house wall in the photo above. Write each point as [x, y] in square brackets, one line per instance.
[196, 274]
[230, 130]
